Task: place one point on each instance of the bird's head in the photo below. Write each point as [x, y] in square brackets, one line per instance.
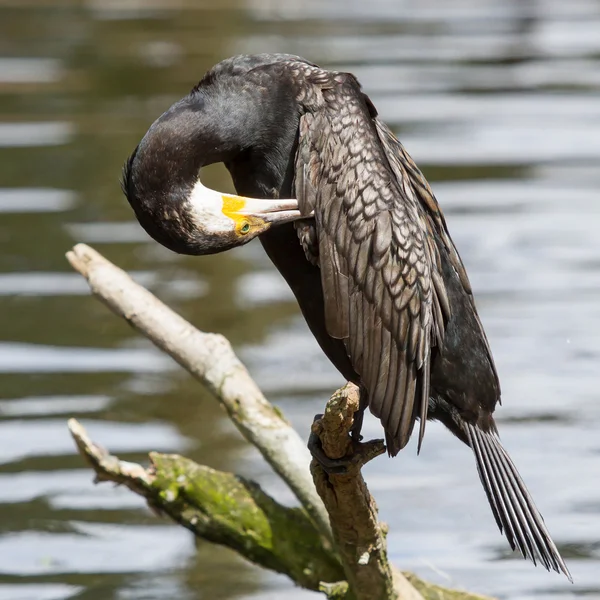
[230, 117]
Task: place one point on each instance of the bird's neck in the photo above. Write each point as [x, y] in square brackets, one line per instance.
[267, 170]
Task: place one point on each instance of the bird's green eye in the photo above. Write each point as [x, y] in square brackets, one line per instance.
[245, 228]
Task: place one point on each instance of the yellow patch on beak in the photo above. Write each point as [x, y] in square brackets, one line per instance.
[232, 205]
[232, 208]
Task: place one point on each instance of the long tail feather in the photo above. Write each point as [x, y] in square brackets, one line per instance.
[512, 505]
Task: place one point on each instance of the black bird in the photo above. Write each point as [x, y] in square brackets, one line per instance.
[363, 245]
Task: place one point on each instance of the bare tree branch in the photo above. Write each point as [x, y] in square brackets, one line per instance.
[210, 359]
[222, 508]
[226, 509]
[359, 536]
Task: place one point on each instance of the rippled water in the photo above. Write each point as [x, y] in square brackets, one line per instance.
[499, 103]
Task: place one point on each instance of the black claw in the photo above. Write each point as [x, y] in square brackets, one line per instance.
[357, 426]
[359, 416]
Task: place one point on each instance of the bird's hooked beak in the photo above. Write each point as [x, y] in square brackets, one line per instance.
[248, 215]
[270, 211]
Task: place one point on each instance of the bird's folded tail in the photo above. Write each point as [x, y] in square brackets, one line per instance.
[511, 503]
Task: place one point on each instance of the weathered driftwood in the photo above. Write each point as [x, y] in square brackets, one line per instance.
[229, 510]
[210, 359]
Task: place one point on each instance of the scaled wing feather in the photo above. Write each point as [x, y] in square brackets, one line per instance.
[375, 258]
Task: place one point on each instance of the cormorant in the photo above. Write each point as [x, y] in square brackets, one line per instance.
[353, 226]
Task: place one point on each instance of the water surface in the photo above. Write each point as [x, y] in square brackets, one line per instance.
[498, 102]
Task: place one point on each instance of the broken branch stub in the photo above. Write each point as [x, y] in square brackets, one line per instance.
[358, 535]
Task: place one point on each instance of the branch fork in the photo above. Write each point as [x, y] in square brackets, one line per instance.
[333, 543]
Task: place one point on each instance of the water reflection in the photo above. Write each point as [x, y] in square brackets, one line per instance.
[497, 101]
[25, 200]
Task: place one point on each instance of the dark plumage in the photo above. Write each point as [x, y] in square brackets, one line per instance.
[369, 258]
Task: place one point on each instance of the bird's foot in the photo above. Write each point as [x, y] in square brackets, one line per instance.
[356, 452]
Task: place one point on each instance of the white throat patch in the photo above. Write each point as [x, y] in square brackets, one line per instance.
[207, 209]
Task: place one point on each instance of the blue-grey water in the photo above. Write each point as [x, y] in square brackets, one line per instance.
[498, 102]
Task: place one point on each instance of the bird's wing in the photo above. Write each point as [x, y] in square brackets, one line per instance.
[407, 173]
[377, 269]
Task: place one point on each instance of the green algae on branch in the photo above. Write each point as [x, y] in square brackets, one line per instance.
[232, 511]
[221, 508]
[431, 591]
[224, 508]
